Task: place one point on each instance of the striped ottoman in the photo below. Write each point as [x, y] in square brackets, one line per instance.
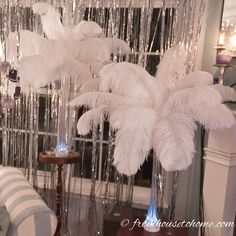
[29, 215]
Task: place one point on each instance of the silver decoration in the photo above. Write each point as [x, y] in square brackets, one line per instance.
[22, 136]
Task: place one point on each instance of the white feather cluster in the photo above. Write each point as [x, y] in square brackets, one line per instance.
[172, 68]
[133, 139]
[147, 112]
[155, 113]
[51, 20]
[173, 141]
[72, 51]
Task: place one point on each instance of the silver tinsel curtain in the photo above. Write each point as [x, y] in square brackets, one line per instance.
[29, 123]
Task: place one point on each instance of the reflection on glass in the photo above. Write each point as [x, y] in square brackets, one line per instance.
[228, 27]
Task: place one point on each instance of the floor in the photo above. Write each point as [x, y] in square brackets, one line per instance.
[85, 215]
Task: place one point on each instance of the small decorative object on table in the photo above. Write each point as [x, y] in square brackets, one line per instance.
[52, 158]
[222, 68]
[223, 60]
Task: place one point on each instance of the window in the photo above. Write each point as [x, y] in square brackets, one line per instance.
[31, 126]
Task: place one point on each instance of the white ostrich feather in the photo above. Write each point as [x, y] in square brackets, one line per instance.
[75, 70]
[33, 71]
[173, 141]
[97, 66]
[217, 117]
[31, 43]
[92, 50]
[171, 69]
[96, 99]
[11, 47]
[227, 93]
[90, 86]
[196, 78]
[117, 114]
[133, 140]
[127, 79]
[86, 29]
[50, 19]
[57, 49]
[117, 46]
[89, 120]
[98, 50]
[186, 100]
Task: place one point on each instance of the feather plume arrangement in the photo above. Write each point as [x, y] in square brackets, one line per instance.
[96, 52]
[88, 44]
[155, 113]
[117, 46]
[86, 29]
[173, 141]
[90, 86]
[73, 51]
[11, 49]
[90, 119]
[31, 43]
[172, 68]
[196, 78]
[97, 99]
[50, 19]
[33, 72]
[135, 132]
[227, 93]
[92, 50]
[147, 112]
[130, 80]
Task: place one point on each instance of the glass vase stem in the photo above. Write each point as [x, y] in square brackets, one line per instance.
[62, 146]
[152, 221]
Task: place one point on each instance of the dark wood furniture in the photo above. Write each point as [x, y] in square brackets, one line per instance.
[51, 158]
[113, 218]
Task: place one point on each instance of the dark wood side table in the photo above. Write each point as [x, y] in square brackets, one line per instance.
[51, 158]
[139, 231]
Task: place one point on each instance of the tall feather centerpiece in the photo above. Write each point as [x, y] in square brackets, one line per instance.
[156, 113]
[67, 53]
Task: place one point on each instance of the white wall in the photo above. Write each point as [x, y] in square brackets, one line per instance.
[214, 13]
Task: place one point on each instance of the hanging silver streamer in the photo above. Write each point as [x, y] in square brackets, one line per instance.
[176, 22]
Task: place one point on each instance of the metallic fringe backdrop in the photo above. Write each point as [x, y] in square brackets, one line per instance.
[29, 124]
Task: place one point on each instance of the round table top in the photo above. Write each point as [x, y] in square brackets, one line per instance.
[222, 65]
[50, 157]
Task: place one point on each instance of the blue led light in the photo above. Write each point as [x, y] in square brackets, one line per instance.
[61, 148]
[152, 222]
[152, 218]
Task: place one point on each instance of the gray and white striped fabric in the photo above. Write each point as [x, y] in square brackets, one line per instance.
[29, 215]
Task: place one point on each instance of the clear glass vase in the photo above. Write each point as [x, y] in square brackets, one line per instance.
[152, 221]
[62, 148]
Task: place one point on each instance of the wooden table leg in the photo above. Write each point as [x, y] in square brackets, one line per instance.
[59, 199]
